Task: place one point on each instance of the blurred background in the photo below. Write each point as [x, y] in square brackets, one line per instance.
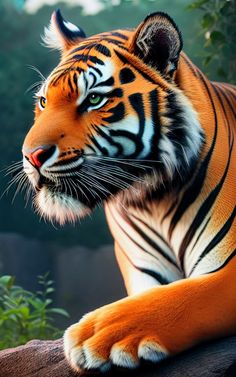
[80, 258]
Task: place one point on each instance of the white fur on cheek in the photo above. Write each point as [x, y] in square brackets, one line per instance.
[59, 207]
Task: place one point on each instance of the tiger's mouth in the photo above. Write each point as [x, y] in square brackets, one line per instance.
[43, 181]
[66, 192]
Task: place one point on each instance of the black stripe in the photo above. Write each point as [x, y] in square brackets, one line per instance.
[75, 80]
[70, 84]
[103, 50]
[194, 189]
[95, 69]
[134, 241]
[153, 100]
[118, 113]
[157, 276]
[153, 230]
[86, 82]
[103, 150]
[219, 94]
[91, 147]
[217, 239]
[63, 71]
[83, 47]
[119, 35]
[108, 82]
[223, 93]
[136, 101]
[200, 234]
[126, 76]
[162, 252]
[114, 41]
[128, 135]
[203, 211]
[115, 93]
[85, 58]
[171, 208]
[225, 262]
[142, 73]
[150, 241]
[94, 79]
[194, 69]
[111, 141]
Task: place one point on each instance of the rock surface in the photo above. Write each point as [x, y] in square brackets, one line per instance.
[46, 359]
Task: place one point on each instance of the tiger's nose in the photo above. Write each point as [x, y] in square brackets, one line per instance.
[38, 156]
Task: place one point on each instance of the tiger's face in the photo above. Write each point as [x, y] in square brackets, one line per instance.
[109, 118]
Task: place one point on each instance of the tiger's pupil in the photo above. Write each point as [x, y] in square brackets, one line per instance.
[94, 99]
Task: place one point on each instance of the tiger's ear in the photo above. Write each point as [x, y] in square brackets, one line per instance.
[60, 34]
[158, 42]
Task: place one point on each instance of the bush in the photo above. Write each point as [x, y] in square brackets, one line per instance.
[25, 315]
[218, 26]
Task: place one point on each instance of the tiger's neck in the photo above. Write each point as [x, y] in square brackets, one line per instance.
[198, 90]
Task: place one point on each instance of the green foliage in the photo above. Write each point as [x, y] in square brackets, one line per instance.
[218, 26]
[25, 315]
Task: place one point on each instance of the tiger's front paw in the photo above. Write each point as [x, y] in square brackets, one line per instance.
[112, 335]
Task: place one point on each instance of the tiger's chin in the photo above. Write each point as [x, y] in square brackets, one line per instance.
[59, 207]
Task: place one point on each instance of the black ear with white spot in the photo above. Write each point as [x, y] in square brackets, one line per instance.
[158, 42]
[60, 34]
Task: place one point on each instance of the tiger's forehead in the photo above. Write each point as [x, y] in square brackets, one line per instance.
[88, 63]
[86, 66]
[91, 52]
[94, 64]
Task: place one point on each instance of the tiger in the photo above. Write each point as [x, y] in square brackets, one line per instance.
[127, 121]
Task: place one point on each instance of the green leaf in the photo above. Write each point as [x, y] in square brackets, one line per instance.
[7, 281]
[217, 37]
[59, 311]
[25, 311]
[197, 4]
[225, 8]
[221, 72]
[207, 60]
[37, 303]
[50, 290]
[208, 21]
[48, 301]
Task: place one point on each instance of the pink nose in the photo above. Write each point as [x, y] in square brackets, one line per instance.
[40, 155]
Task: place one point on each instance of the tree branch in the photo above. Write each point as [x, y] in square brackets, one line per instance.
[46, 359]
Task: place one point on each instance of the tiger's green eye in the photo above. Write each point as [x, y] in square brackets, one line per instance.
[42, 102]
[95, 99]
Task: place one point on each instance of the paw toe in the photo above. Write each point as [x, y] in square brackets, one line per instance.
[92, 360]
[77, 358]
[122, 358]
[151, 351]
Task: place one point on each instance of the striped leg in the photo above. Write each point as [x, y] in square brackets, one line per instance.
[161, 321]
[143, 271]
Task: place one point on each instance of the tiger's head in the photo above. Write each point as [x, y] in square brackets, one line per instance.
[110, 118]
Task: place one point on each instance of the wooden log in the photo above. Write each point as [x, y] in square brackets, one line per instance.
[46, 359]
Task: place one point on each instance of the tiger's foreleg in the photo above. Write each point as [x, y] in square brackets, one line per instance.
[162, 321]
